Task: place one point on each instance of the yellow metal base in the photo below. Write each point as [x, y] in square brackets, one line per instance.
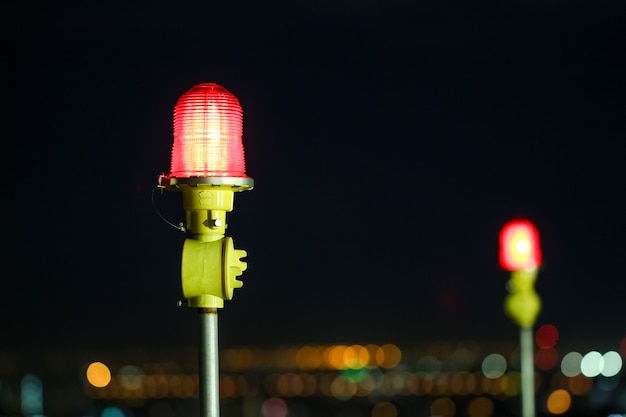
[209, 272]
[523, 304]
[210, 264]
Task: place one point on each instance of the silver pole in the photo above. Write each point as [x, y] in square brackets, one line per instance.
[209, 364]
[528, 371]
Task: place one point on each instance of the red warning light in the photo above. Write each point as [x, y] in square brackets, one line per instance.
[519, 246]
[546, 359]
[208, 125]
[546, 336]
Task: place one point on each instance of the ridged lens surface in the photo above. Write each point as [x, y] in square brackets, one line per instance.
[208, 125]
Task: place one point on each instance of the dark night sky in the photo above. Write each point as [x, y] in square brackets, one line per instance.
[389, 142]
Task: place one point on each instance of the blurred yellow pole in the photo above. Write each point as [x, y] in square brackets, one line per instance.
[528, 372]
[523, 305]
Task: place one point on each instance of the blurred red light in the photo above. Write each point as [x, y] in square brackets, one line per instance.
[519, 246]
[208, 125]
[546, 359]
[546, 336]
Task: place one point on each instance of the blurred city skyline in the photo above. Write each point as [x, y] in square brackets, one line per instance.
[436, 378]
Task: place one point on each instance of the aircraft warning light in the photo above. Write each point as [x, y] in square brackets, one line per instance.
[519, 246]
[208, 124]
[208, 167]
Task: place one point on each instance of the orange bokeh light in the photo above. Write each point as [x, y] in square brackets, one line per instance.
[98, 374]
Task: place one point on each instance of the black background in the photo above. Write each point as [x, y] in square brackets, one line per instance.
[389, 142]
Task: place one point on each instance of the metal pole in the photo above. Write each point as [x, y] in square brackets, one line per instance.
[528, 371]
[209, 363]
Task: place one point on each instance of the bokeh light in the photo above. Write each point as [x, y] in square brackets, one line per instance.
[559, 401]
[546, 336]
[512, 383]
[612, 364]
[384, 409]
[98, 374]
[546, 359]
[228, 386]
[605, 384]
[31, 395]
[356, 372]
[293, 384]
[579, 385]
[235, 359]
[356, 357]
[464, 356]
[274, 407]
[355, 375]
[458, 382]
[130, 377]
[308, 358]
[592, 364]
[570, 364]
[342, 388]
[112, 412]
[388, 356]
[333, 356]
[443, 407]
[494, 366]
[480, 407]
[519, 246]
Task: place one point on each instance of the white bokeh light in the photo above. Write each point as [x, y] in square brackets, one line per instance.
[570, 364]
[494, 366]
[592, 364]
[612, 364]
[130, 377]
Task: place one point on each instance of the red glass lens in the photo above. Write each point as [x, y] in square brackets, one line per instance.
[519, 246]
[208, 125]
